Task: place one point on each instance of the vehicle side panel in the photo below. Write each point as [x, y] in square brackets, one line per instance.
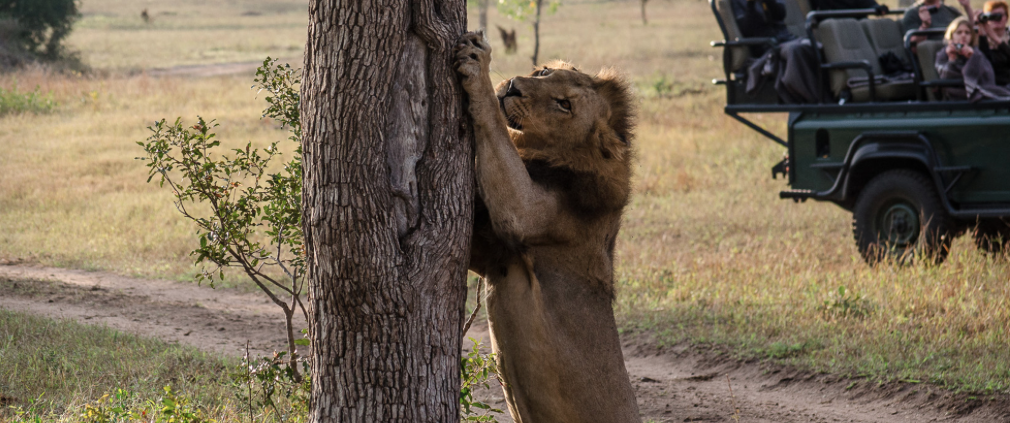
[819, 143]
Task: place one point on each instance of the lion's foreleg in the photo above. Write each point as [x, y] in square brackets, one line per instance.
[519, 209]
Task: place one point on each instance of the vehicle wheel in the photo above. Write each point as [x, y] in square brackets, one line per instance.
[992, 236]
[898, 216]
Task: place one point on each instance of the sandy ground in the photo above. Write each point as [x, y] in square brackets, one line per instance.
[677, 384]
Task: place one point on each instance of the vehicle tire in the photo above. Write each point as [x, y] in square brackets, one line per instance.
[899, 217]
[992, 236]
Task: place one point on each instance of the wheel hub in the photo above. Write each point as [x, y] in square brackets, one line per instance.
[899, 225]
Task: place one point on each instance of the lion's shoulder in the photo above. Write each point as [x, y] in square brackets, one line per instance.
[586, 195]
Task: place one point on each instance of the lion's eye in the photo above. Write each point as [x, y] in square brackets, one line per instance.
[544, 72]
[565, 104]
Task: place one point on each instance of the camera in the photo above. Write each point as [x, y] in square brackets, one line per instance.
[958, 46]
[991, 16]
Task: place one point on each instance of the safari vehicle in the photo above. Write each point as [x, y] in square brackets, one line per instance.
[914, 171]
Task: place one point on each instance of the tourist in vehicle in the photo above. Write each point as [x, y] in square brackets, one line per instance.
[993, 39]
[761, 18]
[925, 14]
[960, 40]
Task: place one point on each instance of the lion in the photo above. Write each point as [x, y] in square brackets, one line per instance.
[553, 165]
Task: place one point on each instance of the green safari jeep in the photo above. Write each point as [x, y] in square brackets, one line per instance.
[915, 172]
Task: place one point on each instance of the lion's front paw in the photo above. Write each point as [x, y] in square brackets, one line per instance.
[473, 57]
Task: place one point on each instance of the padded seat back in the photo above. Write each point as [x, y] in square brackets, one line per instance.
[796, 17]
[734, 57]
[925, 54]
[845, 41]
[885, 36]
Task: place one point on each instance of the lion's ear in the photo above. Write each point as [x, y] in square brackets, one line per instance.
[609, 142]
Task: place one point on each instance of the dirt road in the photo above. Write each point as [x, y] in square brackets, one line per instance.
[673, 385]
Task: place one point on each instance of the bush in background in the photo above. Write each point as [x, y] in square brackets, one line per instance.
[42, 24]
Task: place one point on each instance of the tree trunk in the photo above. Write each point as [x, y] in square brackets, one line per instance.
[536, 33]
[387, 208]
[645, 21]
[482, 10]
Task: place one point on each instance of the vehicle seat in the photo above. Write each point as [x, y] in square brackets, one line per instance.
[736, 56]
[925, 53]
[845, 41]
[796, 17]
[885, 35]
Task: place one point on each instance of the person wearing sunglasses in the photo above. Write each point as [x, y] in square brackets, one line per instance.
[993, 39]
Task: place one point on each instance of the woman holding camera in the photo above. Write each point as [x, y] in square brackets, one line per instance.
[960, 39]
[993, 39]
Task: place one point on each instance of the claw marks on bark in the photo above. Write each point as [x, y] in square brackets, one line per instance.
[407, 132]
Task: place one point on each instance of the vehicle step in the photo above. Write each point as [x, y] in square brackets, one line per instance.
[797, 194]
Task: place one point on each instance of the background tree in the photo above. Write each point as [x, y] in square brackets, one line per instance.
[387, 209]
[482, 12]
[41, 24]
[645, 20]
[523, 10]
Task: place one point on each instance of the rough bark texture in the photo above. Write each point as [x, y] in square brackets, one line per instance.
[388, 209]
[482, 13]
[536, 32]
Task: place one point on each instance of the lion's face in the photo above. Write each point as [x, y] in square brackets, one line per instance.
[560, 108]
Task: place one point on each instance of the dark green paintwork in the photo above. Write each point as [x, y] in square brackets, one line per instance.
[978, 138]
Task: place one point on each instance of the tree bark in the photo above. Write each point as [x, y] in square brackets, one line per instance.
[482, 11]
[388, 193]
[536, 33]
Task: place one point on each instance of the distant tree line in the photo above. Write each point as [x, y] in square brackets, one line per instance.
[39, 26]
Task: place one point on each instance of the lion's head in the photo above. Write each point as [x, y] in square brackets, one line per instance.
[567, 119]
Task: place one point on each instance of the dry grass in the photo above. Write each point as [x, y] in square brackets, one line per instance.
[72, 193]
[67, 365]
[112, 35]
[708, 253]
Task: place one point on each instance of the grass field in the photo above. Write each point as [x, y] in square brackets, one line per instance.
[68, 365]
[708, 253]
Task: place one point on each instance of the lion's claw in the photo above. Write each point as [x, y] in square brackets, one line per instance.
[473, 56]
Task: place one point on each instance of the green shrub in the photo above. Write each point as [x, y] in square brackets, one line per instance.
[42, 24]
[14, 101]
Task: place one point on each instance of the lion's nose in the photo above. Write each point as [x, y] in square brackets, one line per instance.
[513, 89]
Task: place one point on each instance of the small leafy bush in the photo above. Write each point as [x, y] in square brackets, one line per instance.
[42, 25]
[476, 370]
[120, 407]
[843, 304]
[14, 101]
[270, 386]
[254, 218]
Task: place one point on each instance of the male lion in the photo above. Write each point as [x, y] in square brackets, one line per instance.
[553, 170]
